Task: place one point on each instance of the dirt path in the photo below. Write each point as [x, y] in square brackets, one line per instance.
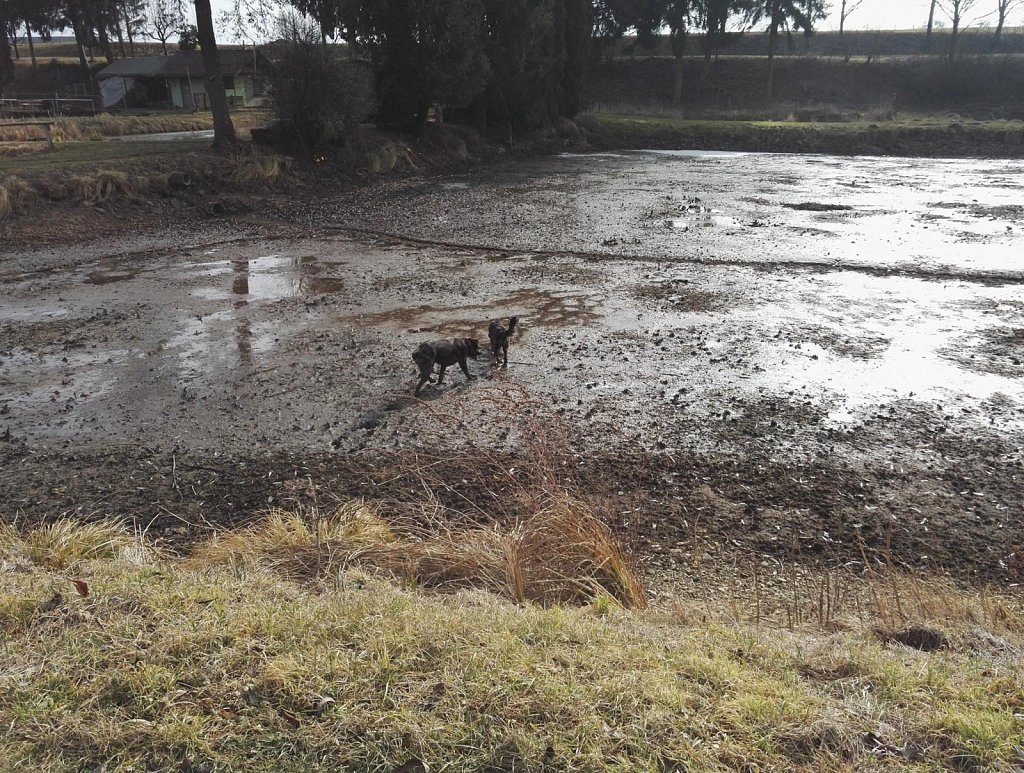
[777, 355]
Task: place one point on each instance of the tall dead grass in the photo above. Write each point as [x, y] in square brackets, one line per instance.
[210, 175]
[14, 193]
[561, 554]
[259, 168]
[538, 541]
[65, 543]
[101, 187]
[93, 128]
[390, 156]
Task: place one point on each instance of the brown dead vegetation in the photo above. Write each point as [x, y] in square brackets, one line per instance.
[536, 541]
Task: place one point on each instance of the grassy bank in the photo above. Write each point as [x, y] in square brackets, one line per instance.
[90, 128]
[924, 137]
[115, 656]
[139, 174]
[187, 172]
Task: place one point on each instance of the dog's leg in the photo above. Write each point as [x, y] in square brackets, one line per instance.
[440, 378]
[424, 377]
[504, 351]
[465, 368]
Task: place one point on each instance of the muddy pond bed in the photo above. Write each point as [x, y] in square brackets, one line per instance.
[781, 356]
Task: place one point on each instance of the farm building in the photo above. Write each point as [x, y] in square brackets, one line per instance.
[178, 81]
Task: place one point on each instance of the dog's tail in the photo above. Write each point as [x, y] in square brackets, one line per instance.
[512, 322]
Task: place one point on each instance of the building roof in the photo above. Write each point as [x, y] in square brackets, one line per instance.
[178, 65]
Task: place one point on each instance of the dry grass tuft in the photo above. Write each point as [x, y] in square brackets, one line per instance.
[103, 186]
[259, 168]
[14, 193]
[531, 537]
[564, 553]
[301, 543]
[390, 156]
[92, 128]
[561, 554]
[66, 543]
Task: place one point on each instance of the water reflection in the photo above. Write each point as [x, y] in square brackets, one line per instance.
[243, 327]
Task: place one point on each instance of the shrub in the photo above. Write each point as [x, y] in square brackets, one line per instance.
[318, 98]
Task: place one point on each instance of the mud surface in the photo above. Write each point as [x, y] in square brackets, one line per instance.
[750, 355]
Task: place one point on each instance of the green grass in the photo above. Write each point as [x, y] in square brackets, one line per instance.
[76, 154]
[110, 125]
[837, 127]
[915, 135]
[241, 667]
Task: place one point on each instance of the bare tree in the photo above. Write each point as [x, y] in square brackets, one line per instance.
[956, 10]
[163, 20]
[931, 26]
[1003, 10]
[845, 9]
[223, 130]
[785, 16]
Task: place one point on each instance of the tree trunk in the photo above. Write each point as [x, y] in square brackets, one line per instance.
[223, 129]
[6, 63]
[31, 45]
[954, 34]
[164, 42]
[997, 40]
[677, 85]
[931, 24]
[80, 41]
[108, 50]
[773, 34]
[14, 40]
[480, 114]
[128, 30]
[706, 70]
[842, 18]
[120, 36]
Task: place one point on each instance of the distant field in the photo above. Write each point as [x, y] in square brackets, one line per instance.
[821, 88]
[973, 40]
[916, 137]
[68, 50]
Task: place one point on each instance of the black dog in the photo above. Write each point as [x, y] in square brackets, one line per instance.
[445, 354]
[499, 339]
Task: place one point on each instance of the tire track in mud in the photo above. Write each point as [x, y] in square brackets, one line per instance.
[994, 278]
[988, 278]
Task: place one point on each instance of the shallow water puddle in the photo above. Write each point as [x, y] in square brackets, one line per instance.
[704, 220]
[266, 278]
[695, 153]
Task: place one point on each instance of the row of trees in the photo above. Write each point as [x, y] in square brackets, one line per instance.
[514, 63]
[95, 23]
[959, 13]
[521, 63]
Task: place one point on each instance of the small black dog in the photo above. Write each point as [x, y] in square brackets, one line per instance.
[445, 354]
[499, 339]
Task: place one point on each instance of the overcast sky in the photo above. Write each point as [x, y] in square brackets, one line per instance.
[871, 14]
